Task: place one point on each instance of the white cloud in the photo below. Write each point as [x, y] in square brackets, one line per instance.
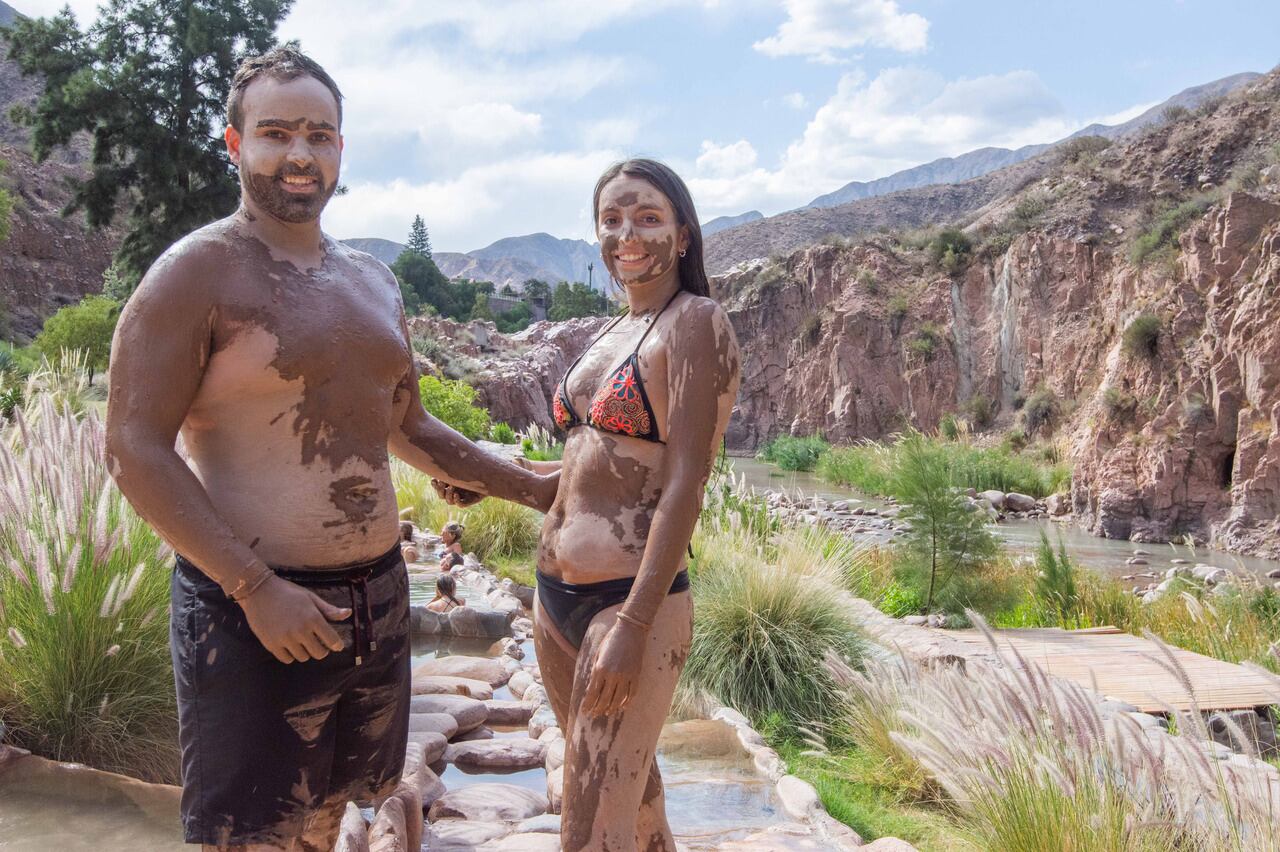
[539, 192]
[823, 29]
[1123, 115]
[726, 160]
[795, 100]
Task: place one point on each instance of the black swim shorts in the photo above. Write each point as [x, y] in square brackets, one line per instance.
[264, 743]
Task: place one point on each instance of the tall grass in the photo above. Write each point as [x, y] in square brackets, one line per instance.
[1030, 762]
[766, 615]
[494, 528]
[85, 673]
[869, 467]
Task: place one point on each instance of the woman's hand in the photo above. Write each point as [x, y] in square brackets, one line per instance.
[454, 495]
[616, 673]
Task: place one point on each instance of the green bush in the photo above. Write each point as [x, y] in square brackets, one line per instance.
[1055, 578]
[1166, 226]
[503, 434]
[980, 410]
[948, 551]
[898, 600]
[1118, 405]
[1141, 336]
[1039, 410]
[452, 403]
[791, 453]
[867, 280]
[898, 307]
[85, 673]
[539, 445]
[87, 326]
[950, 249]
[1081, 148]
[948, 428]
[926, 341]
[495, 529]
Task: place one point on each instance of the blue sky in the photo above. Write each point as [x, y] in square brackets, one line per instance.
[494, 118]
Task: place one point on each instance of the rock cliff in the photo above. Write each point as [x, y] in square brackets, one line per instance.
[1174, 434]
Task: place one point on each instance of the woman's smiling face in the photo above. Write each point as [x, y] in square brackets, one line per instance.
[640, 236]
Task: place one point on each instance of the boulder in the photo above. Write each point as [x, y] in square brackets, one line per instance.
[449, 685]
[995, 498]
[555, 790]
[424, 621]
[505, 753]
[477, 668]
[469, 712]
[550, 735]
[390, 831]
[1015, 502]
[509, 712]
[547, 823]
[520, 681]
[555, 754]
[1273, 574]
[434, 723]
[511, 647]
[469, 621]
[799, 798]
[489, 803]
[526, 842]
[484, 732]
[353, 834]
[460, 834]
[535, 695]
[544, 717]
[433, 743]
[1058, 504]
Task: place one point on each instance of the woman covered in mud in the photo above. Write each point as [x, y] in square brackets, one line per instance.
[645, 408]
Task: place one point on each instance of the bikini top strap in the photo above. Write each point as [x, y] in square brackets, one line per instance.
[596, 340]
[655, 320]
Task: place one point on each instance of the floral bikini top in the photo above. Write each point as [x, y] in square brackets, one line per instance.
[620, 405]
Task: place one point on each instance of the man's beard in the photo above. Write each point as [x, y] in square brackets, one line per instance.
[267, 193]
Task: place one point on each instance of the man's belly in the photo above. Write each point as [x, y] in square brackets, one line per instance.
[295, 514]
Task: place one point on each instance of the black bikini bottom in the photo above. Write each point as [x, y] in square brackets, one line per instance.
[571, 606]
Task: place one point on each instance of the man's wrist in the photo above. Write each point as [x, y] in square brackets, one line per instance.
[249, 582]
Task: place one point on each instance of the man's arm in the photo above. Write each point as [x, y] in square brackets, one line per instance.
[158, 358]
[433, 448]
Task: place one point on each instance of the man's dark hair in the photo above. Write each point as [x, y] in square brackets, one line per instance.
[693, 275]
[286, 62]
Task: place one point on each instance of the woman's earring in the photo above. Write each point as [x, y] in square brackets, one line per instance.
[683, 252]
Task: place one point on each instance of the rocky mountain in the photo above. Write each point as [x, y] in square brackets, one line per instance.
[384, 250]
[976, 163]
[48, 261]
[721, 223]
[7, 14]
[1175, 432]
[511, 260]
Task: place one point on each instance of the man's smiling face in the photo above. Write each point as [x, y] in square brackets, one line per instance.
[290, 151]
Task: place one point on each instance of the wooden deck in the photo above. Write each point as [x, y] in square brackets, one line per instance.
[1124, 667]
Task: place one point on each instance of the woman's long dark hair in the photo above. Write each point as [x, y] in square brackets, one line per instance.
[693, 273]
[446, 587]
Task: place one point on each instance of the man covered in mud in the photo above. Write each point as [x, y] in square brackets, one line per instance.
[283, 359]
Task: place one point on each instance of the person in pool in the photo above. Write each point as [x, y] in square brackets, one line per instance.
[644, 408]
[446, 595]
[451, 534]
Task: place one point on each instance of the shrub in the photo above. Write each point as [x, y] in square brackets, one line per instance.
[948, 428]
[1015, 440]
[766, 620]
[87, 326]
[1081, 148]
[811, 329]
[1055, 578]
[898, 600]
[1027, 212]
[494, 528]
[429, 348]
[950, 249]
[538, 445]
[503, 434]
[947, 549]
[867, 280]
[451, 402]
[1118, 405]
[925, 342]
[85, 673]
[898, 307]
[1141, 336]
[1174, 113]
[1165, 227]
[980, 410]
[791, 453]
[1039, 410]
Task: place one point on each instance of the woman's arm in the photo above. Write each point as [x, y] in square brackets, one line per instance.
[702, 384]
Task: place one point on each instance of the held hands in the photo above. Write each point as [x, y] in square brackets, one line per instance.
[292, 622]
[455, 496]
[616, 672]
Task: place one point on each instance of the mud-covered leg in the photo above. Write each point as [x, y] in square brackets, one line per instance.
[320, 832]
[608, 758]
[653, 832]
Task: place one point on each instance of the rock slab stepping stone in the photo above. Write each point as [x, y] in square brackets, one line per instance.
[506, 753]
[389, 832]
[532, 842]
[489, 803]
[437, 723]
[555, 789]
[484, 732]
[520, 681]
[433, 744]
[450, 685]
[353, 834]
[486, 669]
[468, 712]
[555, 755]
[508, 712]
[460, 835]
[544, 717]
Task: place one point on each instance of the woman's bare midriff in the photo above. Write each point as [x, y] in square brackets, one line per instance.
[598, 526]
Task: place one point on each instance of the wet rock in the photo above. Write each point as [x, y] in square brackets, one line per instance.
[544, 717]
[1178, 571]
[511, 648]
[390, 831]
[1015, 502]
[509, 712]
[520, 681]
[353, 834]
[523, 625]
[506, 753]
[1179, 562]
[424, 621]
[1135, 560]
[1273, 574]
[785, 837]
[484, 732]
[555, 790]
[489, 803]
[1141, 552]
[436, 723]
[535, 694]
[1058, 504]
[433, 743]
[469, 712]
[799, 798]
[995, 498]
[547, 824]
[469, 621]
[448, 685]
[550, 735]
[554, 757]
[479, 668]
[462, 834]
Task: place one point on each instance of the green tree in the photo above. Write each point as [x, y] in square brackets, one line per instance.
[536, 289]
[148, 81]
[508, 290]
[575, 299]
[480, 307]
[419, 242]
[948, 548]
[88, 326]
[516, 319]
[419, 274]
[485, 287]
[453, 403]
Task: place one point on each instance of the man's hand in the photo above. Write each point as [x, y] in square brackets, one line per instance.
[455, 496]
[292, 622]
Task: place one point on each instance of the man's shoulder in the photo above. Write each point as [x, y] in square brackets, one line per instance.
[194, 264]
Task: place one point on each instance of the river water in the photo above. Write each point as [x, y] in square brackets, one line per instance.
[1101, 554]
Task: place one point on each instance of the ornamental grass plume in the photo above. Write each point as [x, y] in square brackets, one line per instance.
[85, 673]
[1030, 762]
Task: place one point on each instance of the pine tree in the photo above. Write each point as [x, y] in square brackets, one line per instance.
[419, 242]
[148, 80]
